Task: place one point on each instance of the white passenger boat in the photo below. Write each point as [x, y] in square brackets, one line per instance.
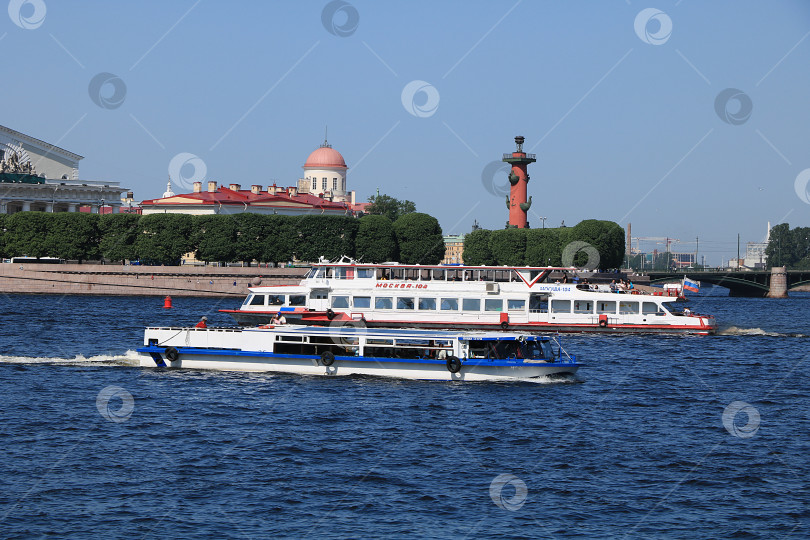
[465, 297]
[349, 350]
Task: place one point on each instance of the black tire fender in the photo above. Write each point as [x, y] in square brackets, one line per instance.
[330, 314]
[327, 358]
[504, 325]
[603, 324]
[453, 364]
[172, 354]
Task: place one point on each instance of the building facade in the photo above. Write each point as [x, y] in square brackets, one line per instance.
[321, 191]
[453, 249]
[35, 175]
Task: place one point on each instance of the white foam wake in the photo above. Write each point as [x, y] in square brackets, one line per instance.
[737, 331]
[129, 358]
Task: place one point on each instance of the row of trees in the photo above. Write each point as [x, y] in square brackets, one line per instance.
[789, 247]
[164, 238]
[591, 243]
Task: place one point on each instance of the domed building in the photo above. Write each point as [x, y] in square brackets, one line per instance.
[325, 175]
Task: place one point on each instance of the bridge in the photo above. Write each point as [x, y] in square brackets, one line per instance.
[739, 283]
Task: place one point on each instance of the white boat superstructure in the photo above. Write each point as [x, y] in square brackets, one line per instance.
[465, 297]
[350, 350]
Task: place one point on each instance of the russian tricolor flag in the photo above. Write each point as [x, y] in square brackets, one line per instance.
[690, 285]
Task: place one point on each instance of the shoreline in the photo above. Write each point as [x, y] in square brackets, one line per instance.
[127, 280]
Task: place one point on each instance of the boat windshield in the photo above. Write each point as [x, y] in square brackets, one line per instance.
[504, 349]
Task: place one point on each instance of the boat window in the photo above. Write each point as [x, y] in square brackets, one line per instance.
[258, 300]
[312, 273]
[411, 274]
[493, 304]
[290, 338]
[340, 301]
[516, 305]
[405, 303]
[364, 273]
[454, 275]
[628, 308]
[424, 274]
[582, 306]
[247, 300]
[383, 302]
[427, 303]
[362, 301]
[502, 275]
[606, 307]
[298, 300]
[561, 306]
[384, 273]
[397, 273]
[651, 308]
[438, 274]
[319, 294]
[375, 341]
[538, 303]
[275, 299]
[449, 304]
[327, 272]
[471, 304]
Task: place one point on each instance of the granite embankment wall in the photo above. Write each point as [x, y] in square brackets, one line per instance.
[140, 280]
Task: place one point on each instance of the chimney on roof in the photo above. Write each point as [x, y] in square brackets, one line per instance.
[235, 187]
[255, 189]
[212, 186]
[271, 189]
[293, 191]
[197, 187]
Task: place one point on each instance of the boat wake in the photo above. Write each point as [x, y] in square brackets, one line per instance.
[737, 331]
[130, 358]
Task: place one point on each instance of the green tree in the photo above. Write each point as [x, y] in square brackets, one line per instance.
[789, 247]
[214, 237]
[118, 234]
[393, 209]
[3, 235]
[508, 246]
[606, 236]
[420, 239]
[476, 248]
[251, 233]
[164, 238]
[74, 236]
[325, 236]
[543, 247]
[376, 241]
[280, 235]
[28, 234]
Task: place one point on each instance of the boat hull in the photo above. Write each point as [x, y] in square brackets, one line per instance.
[247, 318]
[256, 361]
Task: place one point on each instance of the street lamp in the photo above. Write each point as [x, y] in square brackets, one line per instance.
[544, 221]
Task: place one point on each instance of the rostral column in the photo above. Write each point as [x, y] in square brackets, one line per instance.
[516, 201]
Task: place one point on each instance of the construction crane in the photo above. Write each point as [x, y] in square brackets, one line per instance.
[657, 239]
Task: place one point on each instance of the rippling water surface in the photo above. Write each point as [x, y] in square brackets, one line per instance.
[660, 436]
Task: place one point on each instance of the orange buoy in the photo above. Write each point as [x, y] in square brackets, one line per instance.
[167, 303]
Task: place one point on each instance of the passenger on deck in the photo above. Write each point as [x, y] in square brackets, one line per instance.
[202, 323]
[278, 318]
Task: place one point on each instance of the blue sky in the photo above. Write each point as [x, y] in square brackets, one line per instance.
[618, 103]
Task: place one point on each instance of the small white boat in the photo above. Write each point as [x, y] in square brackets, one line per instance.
[349, 350]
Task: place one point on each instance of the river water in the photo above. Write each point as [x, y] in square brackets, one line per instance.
[659, 436]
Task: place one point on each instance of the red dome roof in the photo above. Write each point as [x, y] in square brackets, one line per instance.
[325, 157]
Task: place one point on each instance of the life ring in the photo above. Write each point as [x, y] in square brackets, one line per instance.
[504, 325]
[453, 364]
[172, 354]
[327, 358]
[330, 314]
[603, 323]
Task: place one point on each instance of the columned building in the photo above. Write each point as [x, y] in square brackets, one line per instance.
[35, 175]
